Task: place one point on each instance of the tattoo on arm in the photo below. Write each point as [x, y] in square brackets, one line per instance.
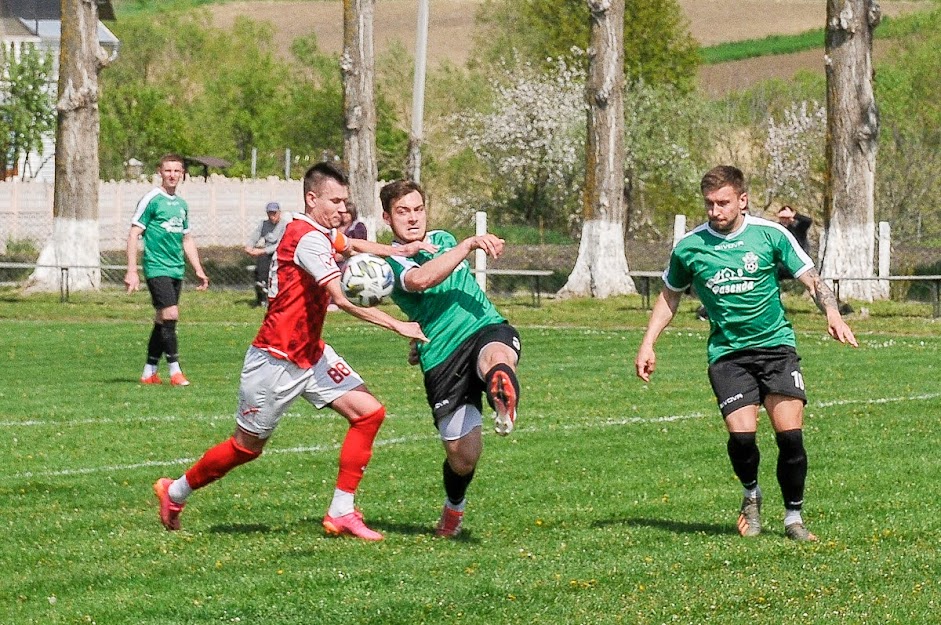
[823, 296]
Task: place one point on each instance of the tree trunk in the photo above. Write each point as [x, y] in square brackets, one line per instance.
[74, 241]
[359, 110]
[848, 242]
[601, 267]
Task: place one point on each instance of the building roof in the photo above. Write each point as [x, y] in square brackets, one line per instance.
[47, 9]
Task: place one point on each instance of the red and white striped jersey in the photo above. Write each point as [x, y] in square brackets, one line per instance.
[297, 298]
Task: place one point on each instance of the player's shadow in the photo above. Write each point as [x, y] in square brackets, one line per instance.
[414, 529]
[245, 528]
[677, 527]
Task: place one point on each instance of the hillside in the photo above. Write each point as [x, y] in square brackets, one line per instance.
[451, 28]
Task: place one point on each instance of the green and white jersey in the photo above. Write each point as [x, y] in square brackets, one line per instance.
[735, 276]
[165, 219]
[448, 313]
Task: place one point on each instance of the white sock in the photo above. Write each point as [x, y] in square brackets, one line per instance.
[458, 507]
[752, 493]
[149, 370]
[174, 367]
[342, 503]
[791, 517]
[180, 490]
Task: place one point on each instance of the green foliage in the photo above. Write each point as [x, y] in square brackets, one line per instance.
[27, 104]
[658, 48]
[181, 85]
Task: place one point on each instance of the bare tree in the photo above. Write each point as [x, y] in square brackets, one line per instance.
[848, 243]
[601, 267]
[359, 109]
[74, 240]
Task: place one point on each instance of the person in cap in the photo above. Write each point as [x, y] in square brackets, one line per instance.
[262, 245]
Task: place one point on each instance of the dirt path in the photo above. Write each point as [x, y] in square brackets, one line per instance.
[451, 29]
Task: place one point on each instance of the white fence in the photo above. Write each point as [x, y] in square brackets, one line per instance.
[223, 211]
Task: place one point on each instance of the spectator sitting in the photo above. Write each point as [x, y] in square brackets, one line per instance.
[262, 245]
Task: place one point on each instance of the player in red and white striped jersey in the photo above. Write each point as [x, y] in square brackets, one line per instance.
[289, 358]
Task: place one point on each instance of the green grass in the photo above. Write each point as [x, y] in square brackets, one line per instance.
[889, 28]
[126, 8]
[614, 501]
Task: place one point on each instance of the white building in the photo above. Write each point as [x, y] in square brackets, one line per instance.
[37, 23]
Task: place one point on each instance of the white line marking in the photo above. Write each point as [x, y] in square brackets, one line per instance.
[399, 440]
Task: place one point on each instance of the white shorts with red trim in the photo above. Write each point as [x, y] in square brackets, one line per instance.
[269, 385]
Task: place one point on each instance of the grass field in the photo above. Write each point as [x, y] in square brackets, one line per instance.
[613, 502]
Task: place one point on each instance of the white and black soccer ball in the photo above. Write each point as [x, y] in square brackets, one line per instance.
[366, 279]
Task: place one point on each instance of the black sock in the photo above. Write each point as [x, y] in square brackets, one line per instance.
[455, 486]
[155, 345]
[512, 375]
[744, 454]
[792, 467]
[169, 340]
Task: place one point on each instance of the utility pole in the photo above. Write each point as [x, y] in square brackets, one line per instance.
[418, 93]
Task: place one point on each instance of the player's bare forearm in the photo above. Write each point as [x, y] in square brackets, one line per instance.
[663, 312]
[828, 305]
[381, 249]
[408, 329]
[819, 291]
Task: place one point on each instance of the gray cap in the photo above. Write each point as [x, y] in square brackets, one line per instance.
[272, 207]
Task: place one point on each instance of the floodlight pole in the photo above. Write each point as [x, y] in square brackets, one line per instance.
[418, 93]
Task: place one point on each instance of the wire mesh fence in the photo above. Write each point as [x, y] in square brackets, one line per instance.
[224, 212]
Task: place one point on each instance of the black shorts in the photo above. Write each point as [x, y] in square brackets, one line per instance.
[746, 377]
[455, 382]
[164, 291]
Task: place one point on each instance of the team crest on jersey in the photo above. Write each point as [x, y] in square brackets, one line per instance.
[174, 224]
[730, 281]
[751, 262]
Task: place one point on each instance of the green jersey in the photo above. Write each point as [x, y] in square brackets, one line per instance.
[165, 219]
[448, 313]
[735, 277]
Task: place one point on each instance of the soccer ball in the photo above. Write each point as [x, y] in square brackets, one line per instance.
[366, 279]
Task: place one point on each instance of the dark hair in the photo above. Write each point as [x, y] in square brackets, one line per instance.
[170, 158]
[723, 176]
[351, 209]
[398, 189]
[320, 172]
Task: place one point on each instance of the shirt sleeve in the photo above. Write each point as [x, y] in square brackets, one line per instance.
[676, 276]
[143, 213]
[255, 236]
[357, 231]
[186, 218]
[792, 255]
[314, 254]
[400, 266]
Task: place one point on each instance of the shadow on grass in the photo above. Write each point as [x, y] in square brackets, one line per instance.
[412, 529]
[244, 528]
[677, 527]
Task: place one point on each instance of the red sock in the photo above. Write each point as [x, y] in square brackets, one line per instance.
[357, 449]
[218, 461]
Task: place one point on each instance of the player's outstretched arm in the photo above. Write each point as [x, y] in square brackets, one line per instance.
[408, 329]
[826, 302]
[663, 312]
[437, 269]
[381, 249]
